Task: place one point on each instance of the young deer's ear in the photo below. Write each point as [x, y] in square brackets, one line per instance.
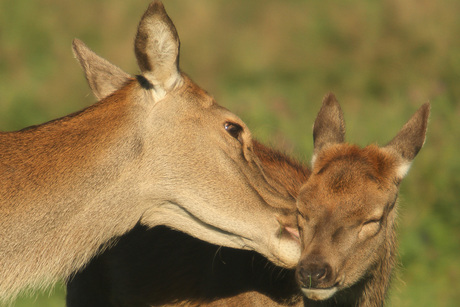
[103, 77]
[410, 139]
[329, 127]
[157, 50]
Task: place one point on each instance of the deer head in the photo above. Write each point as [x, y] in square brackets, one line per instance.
[199, 155]
[347, 208]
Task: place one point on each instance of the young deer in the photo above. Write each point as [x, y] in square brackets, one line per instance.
[347, 211]
[158, 150]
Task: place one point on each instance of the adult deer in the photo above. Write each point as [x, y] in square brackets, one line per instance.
[347, 211]
[158, 150]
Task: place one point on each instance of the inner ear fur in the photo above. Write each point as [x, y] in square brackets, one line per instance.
[103, 77]
[157, 48]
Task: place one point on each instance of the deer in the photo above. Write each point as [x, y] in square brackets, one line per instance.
[156, 149]
[347, 211]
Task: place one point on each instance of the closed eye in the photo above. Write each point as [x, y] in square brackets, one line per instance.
[370, 227]
[372, 221]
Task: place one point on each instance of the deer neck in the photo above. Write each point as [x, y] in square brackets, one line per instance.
[61, 185]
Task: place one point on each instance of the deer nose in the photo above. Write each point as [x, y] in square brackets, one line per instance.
[312, 275]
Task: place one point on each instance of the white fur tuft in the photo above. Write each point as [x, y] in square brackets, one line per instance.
[403, 169]
[313, 159]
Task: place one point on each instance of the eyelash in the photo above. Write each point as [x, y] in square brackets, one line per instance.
[373, 221]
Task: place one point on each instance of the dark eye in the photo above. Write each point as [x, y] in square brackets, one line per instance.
[234, 130]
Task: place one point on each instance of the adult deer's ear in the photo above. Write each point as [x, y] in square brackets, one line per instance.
[103, 77]
[329, 127]
[157, 50]
[410, 139]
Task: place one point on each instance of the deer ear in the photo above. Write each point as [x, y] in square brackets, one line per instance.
[157, 49]
[103, 77]
[329, 127]
[410, 139]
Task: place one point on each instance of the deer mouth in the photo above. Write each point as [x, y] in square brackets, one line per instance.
[319, 294]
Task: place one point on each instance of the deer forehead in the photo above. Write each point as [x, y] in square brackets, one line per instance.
[349, 182]
[349, 166]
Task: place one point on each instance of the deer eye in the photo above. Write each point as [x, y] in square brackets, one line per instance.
[373, 221]
[370, 227]
[234, 130]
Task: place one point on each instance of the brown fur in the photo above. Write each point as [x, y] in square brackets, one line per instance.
[347, 213]
[287, 174]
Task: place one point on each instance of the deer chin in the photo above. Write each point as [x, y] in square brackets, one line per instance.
[282, 250]
[178, 218]
[319, 294]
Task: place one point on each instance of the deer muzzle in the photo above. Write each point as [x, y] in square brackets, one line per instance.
[316, 279]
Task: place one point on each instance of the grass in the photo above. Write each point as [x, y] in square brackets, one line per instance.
[271, 62]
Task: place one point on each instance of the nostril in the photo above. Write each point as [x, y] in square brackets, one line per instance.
[313, 275]
[320, 273]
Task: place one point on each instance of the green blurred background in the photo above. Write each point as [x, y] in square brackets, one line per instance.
[271, 62]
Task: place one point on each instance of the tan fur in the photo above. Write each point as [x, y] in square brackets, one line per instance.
[155, 151]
